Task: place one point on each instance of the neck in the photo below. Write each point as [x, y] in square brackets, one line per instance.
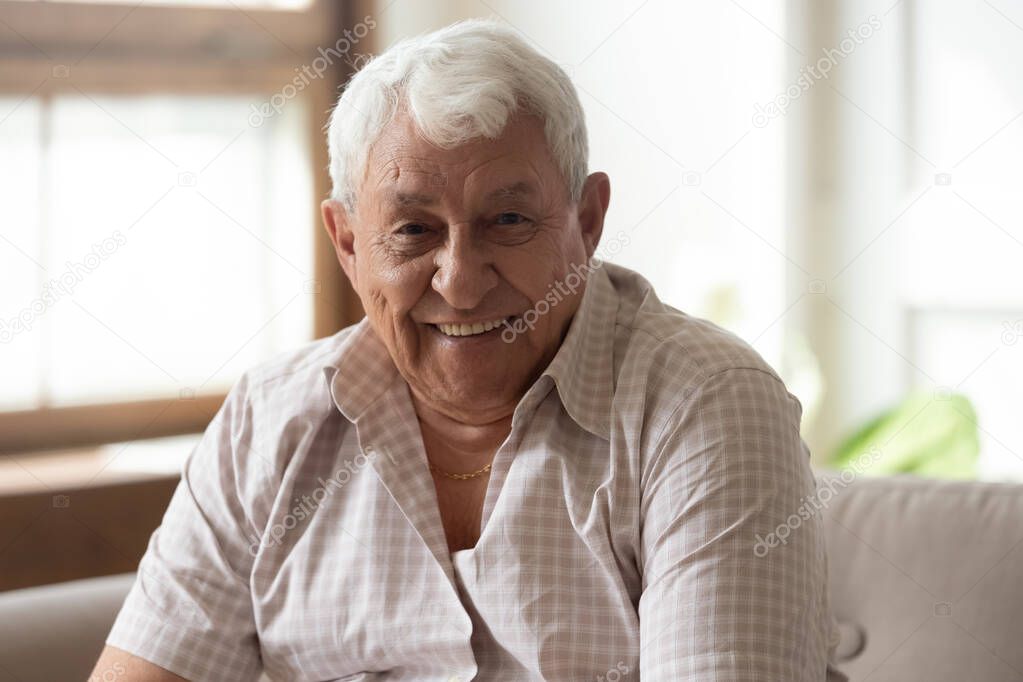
[459, 443]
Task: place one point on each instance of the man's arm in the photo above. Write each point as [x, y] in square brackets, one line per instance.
[190, 609]
[116, 664]
[729, 468]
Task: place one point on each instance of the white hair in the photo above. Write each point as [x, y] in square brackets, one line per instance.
[459, 83]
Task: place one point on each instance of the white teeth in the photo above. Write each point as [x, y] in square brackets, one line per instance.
[469, 329]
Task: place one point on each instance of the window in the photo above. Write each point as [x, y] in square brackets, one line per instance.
[161, 229]
[137, 278]
[960, 287]
[911, 212]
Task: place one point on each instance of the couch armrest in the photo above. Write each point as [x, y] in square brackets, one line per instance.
[56, 632]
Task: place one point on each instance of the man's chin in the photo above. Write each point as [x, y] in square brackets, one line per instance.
[474, 384]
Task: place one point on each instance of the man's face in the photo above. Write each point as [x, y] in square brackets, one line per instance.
[448, 247]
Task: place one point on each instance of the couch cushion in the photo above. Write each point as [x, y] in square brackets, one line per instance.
[927, 573]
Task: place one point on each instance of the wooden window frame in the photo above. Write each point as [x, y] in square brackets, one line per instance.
[48, 48]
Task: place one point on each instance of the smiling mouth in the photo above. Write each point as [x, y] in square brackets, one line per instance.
[469, 329]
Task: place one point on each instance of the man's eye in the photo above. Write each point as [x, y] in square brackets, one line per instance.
[510, 218]
[412, 230]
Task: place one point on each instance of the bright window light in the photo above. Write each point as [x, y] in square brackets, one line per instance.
[157, 245]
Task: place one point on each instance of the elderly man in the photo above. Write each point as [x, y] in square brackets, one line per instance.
[520, 466]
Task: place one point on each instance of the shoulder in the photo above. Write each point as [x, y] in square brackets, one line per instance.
[652, 336]
[665, 358]
[274, 403]
[293, 380]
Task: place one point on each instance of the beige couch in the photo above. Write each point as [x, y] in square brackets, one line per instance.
[926, 578]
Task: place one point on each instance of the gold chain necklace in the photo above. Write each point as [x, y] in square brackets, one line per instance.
[461, 477]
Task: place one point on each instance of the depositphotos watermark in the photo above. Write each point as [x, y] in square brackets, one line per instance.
[308, 504]
[1012, 331]
[560, 290]
[307, 73]
[52, 291]
[810, 506]
[109, 674]
[810, 74]
[616, 673]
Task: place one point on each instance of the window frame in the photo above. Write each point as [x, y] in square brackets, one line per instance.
[51, 48]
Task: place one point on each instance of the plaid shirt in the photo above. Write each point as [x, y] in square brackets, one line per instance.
[619, 537]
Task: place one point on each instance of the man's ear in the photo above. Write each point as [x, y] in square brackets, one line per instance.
[340, 229]
[593, 203]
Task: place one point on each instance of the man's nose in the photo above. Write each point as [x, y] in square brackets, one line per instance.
[465, 270]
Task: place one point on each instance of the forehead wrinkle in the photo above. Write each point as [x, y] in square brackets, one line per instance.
[405, 199]
[394, 166]
[520, 176]
[399, 187]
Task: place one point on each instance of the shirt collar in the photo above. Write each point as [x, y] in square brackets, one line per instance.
[582, 370]
[360, 372]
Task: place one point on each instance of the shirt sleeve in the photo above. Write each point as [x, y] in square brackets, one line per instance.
[728, 475]
[190, 610]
